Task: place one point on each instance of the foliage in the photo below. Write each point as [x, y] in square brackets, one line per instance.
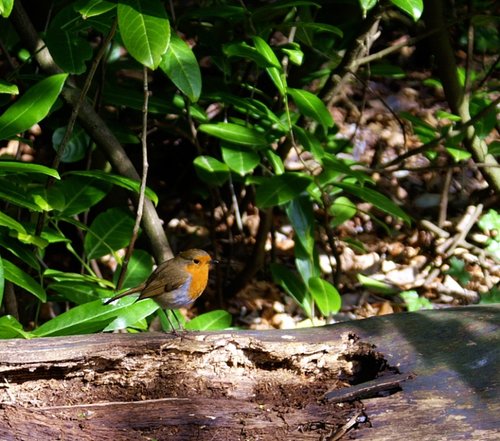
[261, 67]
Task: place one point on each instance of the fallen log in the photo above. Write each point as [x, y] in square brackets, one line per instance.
[428, 375]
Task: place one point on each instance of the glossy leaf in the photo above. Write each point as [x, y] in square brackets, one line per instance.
[376, 286]
[211, 170]
[311, 106]
[276, 71]
[83, 319]
[293, 286]
[11, 328]
[77, 292]
[66, 276]
[301, 215]
[244, 50]
[240, 159]
[145, 30]
[70, 51]
[325, 295]
[110, 231]
[32, 107]
[235, 134]
[11, 223]
[413, 8]
[210, 321]
[2, 280]
[20, 250]
[77, 146]
[342, 210]
[121, 181]
[131, 314]
[17, 196]
[181, 66]
[81, 193]
[377, 199]
[139, 269]
[24, 167]
[92, 8]
[6, 7]
[8, 88]
[18, 277]
[277, 190]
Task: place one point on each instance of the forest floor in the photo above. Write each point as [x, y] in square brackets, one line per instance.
[448, 256]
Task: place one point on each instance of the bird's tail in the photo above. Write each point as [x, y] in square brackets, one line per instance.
[125, 293]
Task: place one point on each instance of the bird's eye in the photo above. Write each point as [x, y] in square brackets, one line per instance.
[197, 261]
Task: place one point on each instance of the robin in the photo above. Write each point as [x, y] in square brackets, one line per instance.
[175, 283]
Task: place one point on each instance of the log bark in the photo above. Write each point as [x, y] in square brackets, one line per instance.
[429, 375]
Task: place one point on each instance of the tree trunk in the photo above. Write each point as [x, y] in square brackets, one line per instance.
[431, 375]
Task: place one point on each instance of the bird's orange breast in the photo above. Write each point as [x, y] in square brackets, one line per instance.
[199, 278]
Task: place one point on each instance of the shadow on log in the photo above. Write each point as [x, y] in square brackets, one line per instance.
[428, 375]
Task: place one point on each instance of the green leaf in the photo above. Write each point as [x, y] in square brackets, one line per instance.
[18, 249]
[66, 45]
[10, 89]
[276, 71]
[211, 170]
[17, 196]
[387, 71]
[18, 277]
[32, 107]
[293, 286]
[275, 161]
[243, 50]
[413, 8]
[2, 280]
[6, 7]
[458, 271]
[487, 298]
[325, 295]
[121, 181]
[414, 302]
[11, 328]
[458, 154]
[23, 167]
[376, 285]
[342, 210]
[11, 223]
[377, 199]
[277, 190]
[92, 8]
[77, 146]
[235, 134]
[145, 30]
[301, 215]
[240, 159]
[490, 221]
[81, 193]
[65, 276]
[311, 106]
[83, 319]
[139, 269]
[110, 231]
[131, 314]
[77, 292]
[181, 66]
[210, 321]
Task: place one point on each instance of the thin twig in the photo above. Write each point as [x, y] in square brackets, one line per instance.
[145, 166]
[443, 205]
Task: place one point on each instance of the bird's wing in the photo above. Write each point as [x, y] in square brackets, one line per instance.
[157, 285]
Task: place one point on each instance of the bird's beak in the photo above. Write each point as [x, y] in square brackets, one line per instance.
[214, 261]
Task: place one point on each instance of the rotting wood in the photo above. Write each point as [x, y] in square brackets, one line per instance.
[260, 385]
